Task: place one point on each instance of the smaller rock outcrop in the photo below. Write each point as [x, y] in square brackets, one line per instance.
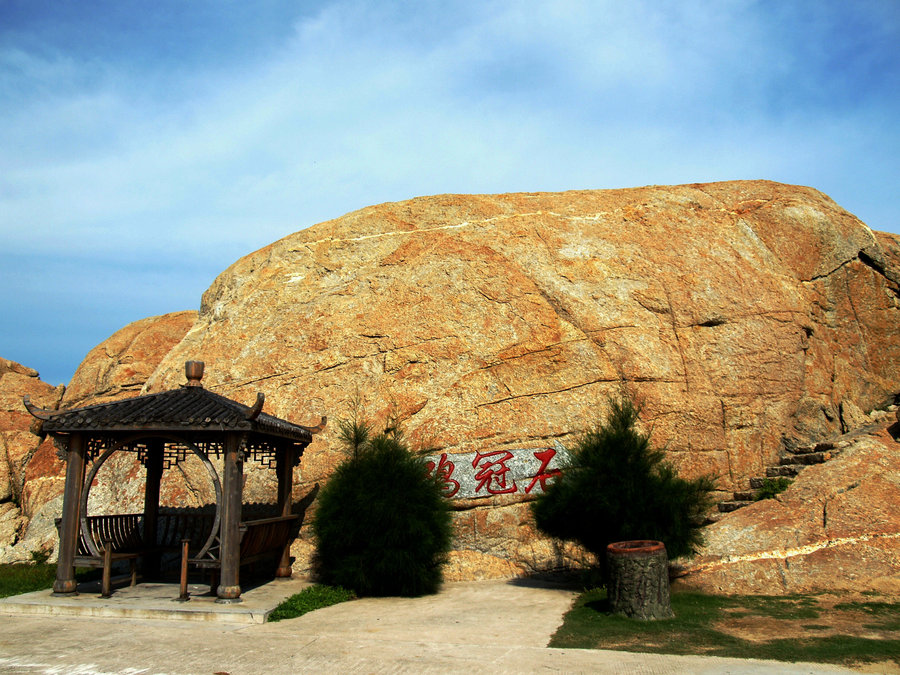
[18, 444]
[836, 528]
[796, 457]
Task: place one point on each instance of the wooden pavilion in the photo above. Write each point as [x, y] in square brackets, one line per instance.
[163, 429]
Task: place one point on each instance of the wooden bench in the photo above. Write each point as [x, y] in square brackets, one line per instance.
[265, 537]
[172, 528]
[118, 537]
[260, 539]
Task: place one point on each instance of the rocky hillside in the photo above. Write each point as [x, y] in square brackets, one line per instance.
[741, 314]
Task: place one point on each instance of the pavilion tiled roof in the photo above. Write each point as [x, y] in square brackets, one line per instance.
[189, 408]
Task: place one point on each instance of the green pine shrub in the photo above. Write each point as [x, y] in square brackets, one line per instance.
[382, 526]
[772, 487]
[616, 487]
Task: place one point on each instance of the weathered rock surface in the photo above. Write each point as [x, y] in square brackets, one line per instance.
[852, 417]
[739, 313]
[17, 444]
[836, 528]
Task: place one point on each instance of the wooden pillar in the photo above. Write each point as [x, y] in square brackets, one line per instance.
[69, 527]
[229, 586]
[285, 470]
[154, 465]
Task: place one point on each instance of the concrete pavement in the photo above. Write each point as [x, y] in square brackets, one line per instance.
[498, 626]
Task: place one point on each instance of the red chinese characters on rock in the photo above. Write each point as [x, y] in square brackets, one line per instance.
[497, 472]
[544, 456]
[491, 475]
[445, 473]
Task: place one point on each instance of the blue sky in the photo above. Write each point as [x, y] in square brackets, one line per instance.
[144, 147]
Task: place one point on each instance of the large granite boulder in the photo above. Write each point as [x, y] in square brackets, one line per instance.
[741, 314]
[745, 316]
[836, 528]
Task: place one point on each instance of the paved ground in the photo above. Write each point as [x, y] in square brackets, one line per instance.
[492, 625]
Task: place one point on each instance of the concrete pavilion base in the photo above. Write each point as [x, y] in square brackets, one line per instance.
[157, 601]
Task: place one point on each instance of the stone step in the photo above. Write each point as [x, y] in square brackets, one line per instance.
[744, 496]
[828, 445]
[803, 449]
[727, 507]
[757, 482]
[784, 470]
[806, 458]
[823, 446]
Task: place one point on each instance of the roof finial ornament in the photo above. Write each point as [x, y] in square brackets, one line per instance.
[193, 371]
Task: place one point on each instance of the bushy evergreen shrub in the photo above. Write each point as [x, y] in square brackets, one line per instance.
[616, 487]
[772, 487]
[382, 526]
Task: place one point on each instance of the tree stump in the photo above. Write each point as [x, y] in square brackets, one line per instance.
[638, 581]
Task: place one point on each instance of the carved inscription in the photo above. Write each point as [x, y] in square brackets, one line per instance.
[497, 472]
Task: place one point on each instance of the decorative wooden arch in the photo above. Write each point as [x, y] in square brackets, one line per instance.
[162, 428]
[88, 536]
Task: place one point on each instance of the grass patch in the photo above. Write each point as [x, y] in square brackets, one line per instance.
[18, 578]
[310, 599]
[721, 625]
[886, 615]
[782, 607]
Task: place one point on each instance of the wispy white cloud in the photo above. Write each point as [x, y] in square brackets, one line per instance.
[133, 157]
